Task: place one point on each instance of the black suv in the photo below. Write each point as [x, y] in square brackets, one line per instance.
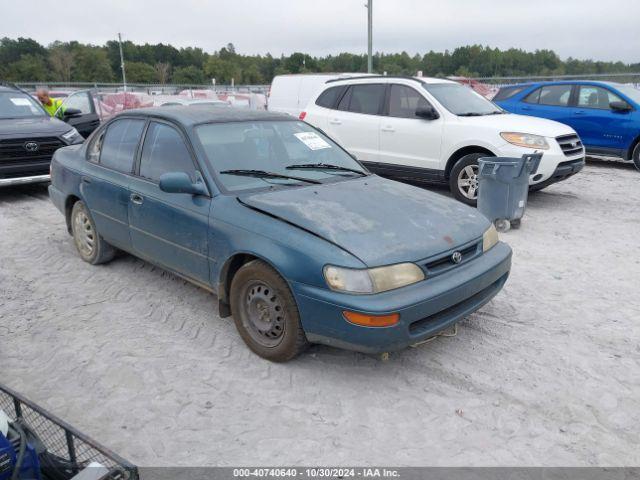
[28, 137]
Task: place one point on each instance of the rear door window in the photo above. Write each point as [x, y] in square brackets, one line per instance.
[366, 99]
[533, 97]
[120, 144]
[555, 95]
[164, 151]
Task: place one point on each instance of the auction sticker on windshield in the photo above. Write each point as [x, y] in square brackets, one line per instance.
[21, 102]
[312, 140]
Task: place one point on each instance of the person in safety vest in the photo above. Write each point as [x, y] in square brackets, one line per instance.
[53, 106]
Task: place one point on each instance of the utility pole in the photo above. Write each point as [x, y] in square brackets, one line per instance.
[124, 76]
[369, 6]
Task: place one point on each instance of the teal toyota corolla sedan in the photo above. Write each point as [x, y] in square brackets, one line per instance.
[300, 242]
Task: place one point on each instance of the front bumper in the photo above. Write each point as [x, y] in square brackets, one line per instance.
[563, 171]
[553, 162]
[5, 182]
[425, 308]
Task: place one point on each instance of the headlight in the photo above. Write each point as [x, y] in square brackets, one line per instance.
[72, 136]
[372, 280]
[526, 140]
[490, 238]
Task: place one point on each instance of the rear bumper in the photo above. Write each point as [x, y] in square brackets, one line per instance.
[5, 182]
[57, 198]
[425, 308]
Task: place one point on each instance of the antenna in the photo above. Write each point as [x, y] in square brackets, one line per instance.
[124, 76]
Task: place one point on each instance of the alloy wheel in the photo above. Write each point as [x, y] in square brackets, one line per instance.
[468, 182]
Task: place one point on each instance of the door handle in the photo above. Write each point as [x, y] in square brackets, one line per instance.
[579, 112]
[388, 129]
[335, 121]
[86, 180]
[526, 108]
[137, 199]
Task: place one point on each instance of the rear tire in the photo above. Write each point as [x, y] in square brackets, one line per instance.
[636, 156]
[265, 313]
[463, 178]
[90, 245]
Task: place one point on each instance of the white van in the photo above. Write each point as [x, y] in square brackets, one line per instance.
[291, 93]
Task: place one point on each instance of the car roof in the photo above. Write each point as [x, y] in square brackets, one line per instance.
[563, 82]
[188, 116]
[365, 78]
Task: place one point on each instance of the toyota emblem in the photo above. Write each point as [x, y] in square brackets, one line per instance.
[456, 257]
[31, 147]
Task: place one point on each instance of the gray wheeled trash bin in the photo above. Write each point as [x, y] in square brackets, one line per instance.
[504, 188]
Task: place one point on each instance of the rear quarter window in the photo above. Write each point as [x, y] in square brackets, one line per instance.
[507, 92]
[329, 97]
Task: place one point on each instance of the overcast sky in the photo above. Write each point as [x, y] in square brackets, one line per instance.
[598, 29]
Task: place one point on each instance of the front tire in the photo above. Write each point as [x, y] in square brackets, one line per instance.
[90, 245]
[636, 156]
[463, 178]
[265, 313]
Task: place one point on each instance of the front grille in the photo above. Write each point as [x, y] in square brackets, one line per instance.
[13, 150]
[570, 144]
[444, 262]
[17, 162]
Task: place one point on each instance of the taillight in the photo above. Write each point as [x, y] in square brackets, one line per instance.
[302, 115]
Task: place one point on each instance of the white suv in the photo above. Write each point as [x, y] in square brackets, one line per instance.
[434, 130]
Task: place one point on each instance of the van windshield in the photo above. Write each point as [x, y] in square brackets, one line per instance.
[258, 154]
[461, 100]
[19, 105]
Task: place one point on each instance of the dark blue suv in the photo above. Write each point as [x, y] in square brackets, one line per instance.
[605, 115]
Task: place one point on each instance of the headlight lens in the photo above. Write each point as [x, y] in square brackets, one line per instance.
[526, 140]
[490, 238]
[72, 136]
[372, 280]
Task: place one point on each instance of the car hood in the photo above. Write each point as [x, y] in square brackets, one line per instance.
[33, 125]
[511, 122]
[379, 221]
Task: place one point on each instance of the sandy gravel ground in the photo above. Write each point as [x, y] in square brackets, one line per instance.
[547, 374]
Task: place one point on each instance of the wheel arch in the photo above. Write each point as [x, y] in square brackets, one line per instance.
[69, 202]
[461, 152]
[634, 144]
[228, 271]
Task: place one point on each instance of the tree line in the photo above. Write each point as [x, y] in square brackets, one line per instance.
[24, 59]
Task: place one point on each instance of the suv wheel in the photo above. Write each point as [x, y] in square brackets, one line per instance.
[463, 178]
[90, 245]
[265, 313]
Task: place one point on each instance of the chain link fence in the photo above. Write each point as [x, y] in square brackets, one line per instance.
[628, 78]
[147, 88]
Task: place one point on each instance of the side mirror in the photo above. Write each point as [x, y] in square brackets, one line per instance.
[71, 113]
[179, 182]
[427, 113]
[620, 106]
